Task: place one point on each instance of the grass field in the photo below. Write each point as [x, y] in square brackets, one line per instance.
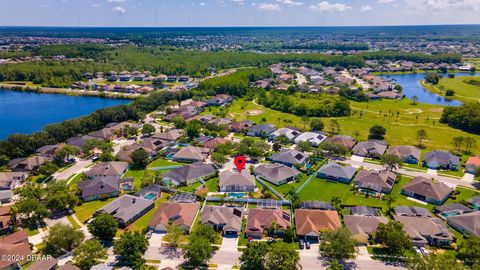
[86, 210]
[401, 129]
[463, 91]
[142, 223]
[161, 162]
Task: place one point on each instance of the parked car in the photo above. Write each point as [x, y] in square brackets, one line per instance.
[417, 250]
[424, 251]
[307, 244]
[301, 244]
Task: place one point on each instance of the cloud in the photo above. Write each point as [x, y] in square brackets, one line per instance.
[290, 3]
[385, 1]
[332, 7]
[269, 7]
[119, 10]
[202, 4]
[96, 5]
[116, 1]
[365, 8]
[437, 5]
[240, 2]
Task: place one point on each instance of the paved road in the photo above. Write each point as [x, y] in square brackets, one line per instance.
[451, 181]
[78, 167]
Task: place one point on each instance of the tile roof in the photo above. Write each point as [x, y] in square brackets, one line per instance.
[259, 219]
[182, 214]
[309, 220]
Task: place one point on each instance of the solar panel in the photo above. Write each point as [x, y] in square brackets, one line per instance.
[268, 203]
[317, 205]
[183, 198]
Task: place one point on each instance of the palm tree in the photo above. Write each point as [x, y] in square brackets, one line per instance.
[390, 200]
[273, 228]
[414, 100]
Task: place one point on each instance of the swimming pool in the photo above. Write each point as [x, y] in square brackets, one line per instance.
[150, 196]
[237, 194]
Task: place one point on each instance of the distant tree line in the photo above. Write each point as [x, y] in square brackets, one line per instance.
[450, 58]
[316, 105]
[347, 46]
[465, 117]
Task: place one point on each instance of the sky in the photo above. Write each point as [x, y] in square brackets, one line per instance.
[136, 13]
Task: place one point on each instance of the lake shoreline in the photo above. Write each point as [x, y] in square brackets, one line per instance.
[66, 91]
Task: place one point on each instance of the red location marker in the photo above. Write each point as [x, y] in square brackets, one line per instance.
[239, 163]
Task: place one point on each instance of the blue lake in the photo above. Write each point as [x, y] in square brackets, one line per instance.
[412, 87]
[22, 112]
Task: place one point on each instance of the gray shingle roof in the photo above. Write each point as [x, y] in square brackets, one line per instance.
[126, 207]
[375, 180]
[371, 147]
[336, 170]
[99, 186]
[190, 172]
[404, 151]
[442, 157]
[229, 217]
[112, 168]
[290, 157]
[428, 188]
[275, 173]
[469, 222]
[229, 178]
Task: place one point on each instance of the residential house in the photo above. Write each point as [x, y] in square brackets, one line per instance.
[213, 143]
[473, 163]
[30, 164]
[191, 154]
[412, 211]
[371, 148]
[474, 202]
[314, 138]
[426, 231]
[191, 173]
[17, 248]
[344, 140]
[68, 266]
[259, 220]
[290, 157]
[105, 169]
[181, 214]
[262, 130]
[452, 209]
[427, 190]
[409, 154]
[468, 224]
[336, 172]
[228, 220]
[363, 227]
[364, 211]
[202, 118]
[220, 100]
[79, 141]
[311, 223]
[224, 121]
[47, 150]
[169, 136]
[375, 181]
[276, 173]
[127, 209]
[44, 264]
[441, 159]
[240, 126]
[6, 220]
[99, 188]
[289, 133]
[229, 181]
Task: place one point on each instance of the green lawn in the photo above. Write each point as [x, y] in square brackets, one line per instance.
[190, 188]
[137, 176]
[72, 221]
[463, 91]
[294, 185]
[86, 210]
[75, 179]
[161, 162]
[400, 131]
[212, 184]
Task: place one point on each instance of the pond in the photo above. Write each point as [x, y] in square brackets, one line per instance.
[25, 112]
[412, 87]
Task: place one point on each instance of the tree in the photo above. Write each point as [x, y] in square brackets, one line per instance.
[148, 129]
[198, 251]
[130, 247]
[435, 261]
[139, 158]
[173, 235]
[218, 158]
[304, 146]
[129, 131]
[282, 256]
[59, 197]
[336, 202]
[316, 124]
[276, 146]
[457, 142]
[393, 237]
[62, 238]
[338, 245]
[88, 254]
[104, 227]
[414, 100]
[391, 161]
[377, 132]
[335, 149]
[432, 78]
[30, 206]
[421, 136]
[149, 177]
[65, 152]
[469, 251]
[390, 200]
[205, 232]
[253, 256]
[193, 129]
[334, 127]
[449, 93]
[469, 143]
[282, 139]
[335, 265]
[48, 168]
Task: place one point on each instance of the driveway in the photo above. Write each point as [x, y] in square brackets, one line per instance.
[228, 254]
[357, 158]
[432, 172]
[167, 256]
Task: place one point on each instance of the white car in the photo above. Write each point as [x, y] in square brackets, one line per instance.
[417, 250]
[424, 251]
